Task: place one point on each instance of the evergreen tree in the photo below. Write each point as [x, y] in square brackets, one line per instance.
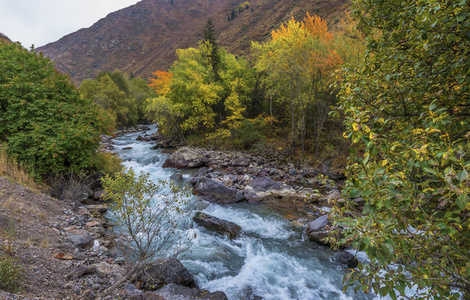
[209, 37]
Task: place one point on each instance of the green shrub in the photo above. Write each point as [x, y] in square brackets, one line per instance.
[107, 163]
[248, 134]
[44, 122]
[10, 274]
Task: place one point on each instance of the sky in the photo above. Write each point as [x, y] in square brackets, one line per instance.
[40, 22]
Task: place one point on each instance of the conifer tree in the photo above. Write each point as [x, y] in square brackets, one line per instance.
[214, 58]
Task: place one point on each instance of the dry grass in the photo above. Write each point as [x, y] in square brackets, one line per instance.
[14, 171]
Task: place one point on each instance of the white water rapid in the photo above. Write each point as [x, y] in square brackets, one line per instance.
[271, 260]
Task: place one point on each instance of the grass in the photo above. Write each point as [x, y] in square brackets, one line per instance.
[16, 172]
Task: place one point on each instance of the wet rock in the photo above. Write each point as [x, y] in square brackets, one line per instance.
[230, 229]
[177, 292]
[185, 158]
[158, 275]
[347, 259]
[80, 239]
[318, 229]
[263, 188]
[139, 138]
[126, 148]
[201, 172]
[176, 177]
[216, 192]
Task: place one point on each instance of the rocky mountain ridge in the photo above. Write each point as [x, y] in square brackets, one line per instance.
[143, 38]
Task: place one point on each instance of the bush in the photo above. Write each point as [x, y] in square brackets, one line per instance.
[248, 134]
[107, 163]
[44, 122]
[10, 274]
[149, 219]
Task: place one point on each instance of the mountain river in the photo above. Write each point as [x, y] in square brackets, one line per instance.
[272, 259]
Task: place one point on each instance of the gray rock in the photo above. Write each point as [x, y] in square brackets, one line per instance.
[263, 188]
[158, 275]
[176, 292]
[176, 177]
[97, 208]
[80, 239]
[216, 192]
[241, 162]
[318, 229]
[185, 158]
[230, 229]
[347, 259]
[201, 172]
[98, 194]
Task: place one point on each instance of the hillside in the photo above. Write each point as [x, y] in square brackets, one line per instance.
[143, 38]
[4, 38]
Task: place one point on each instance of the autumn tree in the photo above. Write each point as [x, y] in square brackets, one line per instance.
[298, 60]
[407, 115]
[190, 100]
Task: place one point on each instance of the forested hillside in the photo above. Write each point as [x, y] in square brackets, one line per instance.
[144, 37]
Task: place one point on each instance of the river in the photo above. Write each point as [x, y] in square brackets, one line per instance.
[272, 259]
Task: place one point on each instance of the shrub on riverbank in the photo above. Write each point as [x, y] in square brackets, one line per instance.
[44, 123]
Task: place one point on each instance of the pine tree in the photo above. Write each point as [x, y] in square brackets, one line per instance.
[209, 37]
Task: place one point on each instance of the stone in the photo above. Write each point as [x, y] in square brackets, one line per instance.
[98, 194]
[132, 292]
[185, 158]
[80, 239]
[126, 148]
[97, 208]
[263, 188]
[201, 172]
[318, 230]
[230, 229]
[176, 177]
[177, 292]
[157, 275]
[216, 192]
[241, 162]
[347, 259]
[81, 271]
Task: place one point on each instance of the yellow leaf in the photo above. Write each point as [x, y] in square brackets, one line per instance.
[384, 162]
[355, 127]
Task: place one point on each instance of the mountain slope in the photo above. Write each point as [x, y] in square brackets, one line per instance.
[4, 38]
[143, 38]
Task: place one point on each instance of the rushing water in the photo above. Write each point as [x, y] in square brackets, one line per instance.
[272, 259]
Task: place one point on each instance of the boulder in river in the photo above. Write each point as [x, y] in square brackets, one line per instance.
[347, 259]
[176, 177]
[263, 188]
[170, 271]
[177, 292]
[216, 192]
[230, 229]
[185, 158]
[318, 230]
